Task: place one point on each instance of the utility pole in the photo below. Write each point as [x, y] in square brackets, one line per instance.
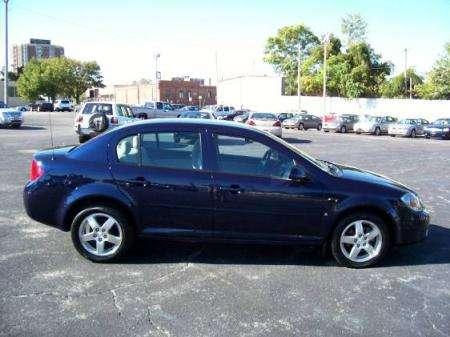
[157, 76]
[325, 44]
[299, 90]
[5, 82]
[410, 88]
[406, 68]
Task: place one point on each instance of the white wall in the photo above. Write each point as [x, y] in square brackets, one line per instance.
[263, 93]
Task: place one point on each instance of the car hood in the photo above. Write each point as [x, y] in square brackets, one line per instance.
[356, 174]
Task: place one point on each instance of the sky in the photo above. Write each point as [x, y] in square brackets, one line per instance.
[124, 36]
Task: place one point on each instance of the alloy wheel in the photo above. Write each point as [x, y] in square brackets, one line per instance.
[100, 234]
[361, 241]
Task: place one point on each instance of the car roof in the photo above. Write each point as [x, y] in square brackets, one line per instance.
[187, 121]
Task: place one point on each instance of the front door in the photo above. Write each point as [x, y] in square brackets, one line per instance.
[255, 199]
[164, 173]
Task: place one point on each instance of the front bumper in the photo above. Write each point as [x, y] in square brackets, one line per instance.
[437, 134]
[413, 225]
[11, 122]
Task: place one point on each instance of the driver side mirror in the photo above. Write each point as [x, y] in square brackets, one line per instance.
[298, 174]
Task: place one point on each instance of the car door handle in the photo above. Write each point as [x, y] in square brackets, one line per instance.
[138, 181]
[233, 189]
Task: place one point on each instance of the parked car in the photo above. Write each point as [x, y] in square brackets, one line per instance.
[440, 128]
[409, 127]
[220, 111]
[375, 125]
[62, 105]
[303, 122]
[231, 115]
[265, 121]
[284, 115]
[242, 118]
[177, 106]
[10, 117]
[227, 182]
[95, 118]
[190, 108]
[342, 123]
[22, 108]
[155, 110]
[44, 106]
[197, 114]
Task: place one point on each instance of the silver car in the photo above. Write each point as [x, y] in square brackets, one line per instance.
[408, 127]
[303, 122]
[265, 121]
[375, 125]
[11, 117]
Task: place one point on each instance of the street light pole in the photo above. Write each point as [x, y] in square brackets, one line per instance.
[325, 43]
[6, 54]
[406, 68]
[299, 90]
[157, 55]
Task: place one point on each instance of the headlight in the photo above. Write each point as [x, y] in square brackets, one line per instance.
[412, 201]
[446, 129]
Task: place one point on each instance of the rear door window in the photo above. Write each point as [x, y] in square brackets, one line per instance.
[180, 150]
[92, 108]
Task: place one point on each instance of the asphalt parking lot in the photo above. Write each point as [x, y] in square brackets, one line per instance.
[174, 289]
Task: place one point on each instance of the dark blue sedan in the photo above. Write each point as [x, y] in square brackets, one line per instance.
[196, 179]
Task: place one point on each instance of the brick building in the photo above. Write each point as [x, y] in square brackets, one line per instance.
[187, 91]
[37, 48]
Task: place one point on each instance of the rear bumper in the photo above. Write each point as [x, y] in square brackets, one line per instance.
[276, 131]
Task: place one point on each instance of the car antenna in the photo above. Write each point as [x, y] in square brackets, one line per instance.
[51, 133]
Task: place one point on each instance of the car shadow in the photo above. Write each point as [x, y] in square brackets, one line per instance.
[29, 127]
[296, 140]
[434, 250]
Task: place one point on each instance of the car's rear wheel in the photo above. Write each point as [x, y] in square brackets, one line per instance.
[343, 129]
[319, 127]
[301, 126]
[413, 133]
[101, 234]
[360, 240]
[377, 131]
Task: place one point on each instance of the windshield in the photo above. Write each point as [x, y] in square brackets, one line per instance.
[408, 121]
[264, 116]
[442, 122]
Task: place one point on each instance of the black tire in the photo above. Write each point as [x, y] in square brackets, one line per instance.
[413, 133]
[343, 129]
[428, 136]
[83, 139]
[319, 127]
[301, 126]
[98, 122]
[335, 240]
[127, 232]
[377, 131]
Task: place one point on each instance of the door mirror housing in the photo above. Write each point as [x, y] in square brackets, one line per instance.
[298, 174]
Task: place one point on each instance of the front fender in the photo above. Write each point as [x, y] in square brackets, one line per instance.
[367, 203]
[92, 191]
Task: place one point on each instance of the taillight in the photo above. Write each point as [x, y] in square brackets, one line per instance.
[114, 120]
[36, 170]
[251, 122]
[277, 123]
[79, 119]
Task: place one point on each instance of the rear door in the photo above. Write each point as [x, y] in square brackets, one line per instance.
[164, 171]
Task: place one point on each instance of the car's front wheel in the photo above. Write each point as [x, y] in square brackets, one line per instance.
[101, 234]
[360, 240]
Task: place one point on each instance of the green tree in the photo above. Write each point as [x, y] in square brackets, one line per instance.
[437, 84]
[58, 77]
[285, 49]
[398, 87]
[354, 28]
[82, 76]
